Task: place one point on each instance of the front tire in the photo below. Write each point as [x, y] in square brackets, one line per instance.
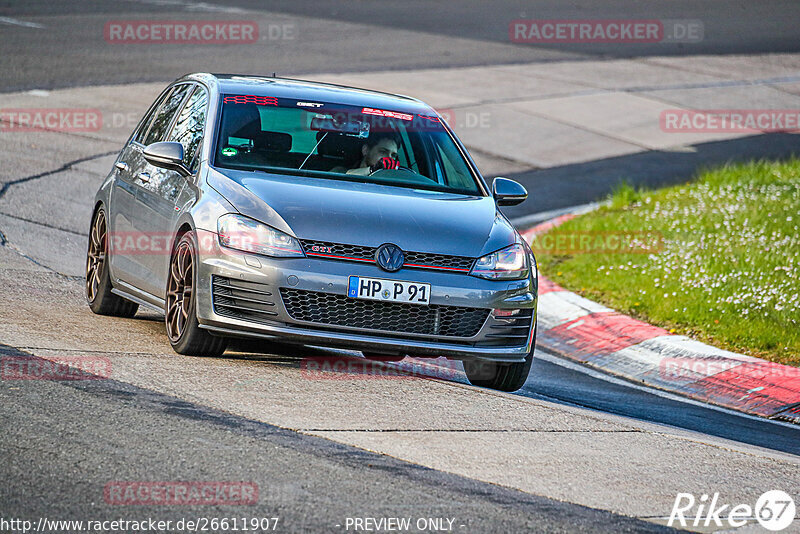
[180, 315]
[501, 376]
[98, 282]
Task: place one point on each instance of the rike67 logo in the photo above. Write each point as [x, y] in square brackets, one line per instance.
[774, 510]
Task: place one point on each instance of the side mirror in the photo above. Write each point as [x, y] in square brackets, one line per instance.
[508, 192]
[167, 155]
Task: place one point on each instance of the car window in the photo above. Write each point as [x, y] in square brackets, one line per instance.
[148, 120]
[188, 129]
[340, 142]
[454, 174]
[166, 113]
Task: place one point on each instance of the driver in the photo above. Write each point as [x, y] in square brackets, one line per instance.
[378, 152]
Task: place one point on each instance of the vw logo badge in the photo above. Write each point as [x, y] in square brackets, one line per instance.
[389, 257]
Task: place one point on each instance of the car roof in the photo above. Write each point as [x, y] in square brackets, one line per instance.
[309, 90]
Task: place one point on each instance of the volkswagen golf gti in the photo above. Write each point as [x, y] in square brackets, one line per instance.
[310, 213]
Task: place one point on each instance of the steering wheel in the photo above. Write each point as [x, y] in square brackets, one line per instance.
[399, 167]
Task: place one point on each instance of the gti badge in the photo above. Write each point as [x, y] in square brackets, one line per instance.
[389, 257]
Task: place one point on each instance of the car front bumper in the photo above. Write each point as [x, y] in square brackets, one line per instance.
[268, 277]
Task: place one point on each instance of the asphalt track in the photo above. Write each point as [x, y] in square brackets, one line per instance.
[68, 48]
[91, 433]
[68, 439]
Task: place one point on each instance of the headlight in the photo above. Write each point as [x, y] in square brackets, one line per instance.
[509, 263]
[248, 235]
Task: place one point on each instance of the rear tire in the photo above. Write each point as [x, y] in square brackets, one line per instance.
[98, 282]
[501, 376]
[180, 314]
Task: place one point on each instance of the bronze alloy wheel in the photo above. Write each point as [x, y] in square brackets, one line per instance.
[179, 291]
[184, 331]
[99, 290]
[96, 256]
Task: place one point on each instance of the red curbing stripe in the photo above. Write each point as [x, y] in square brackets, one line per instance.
[599, 334]
[547, 225]
[764, 388]
[527, 235]
[548, 286]
[757, 387]
[791, 414]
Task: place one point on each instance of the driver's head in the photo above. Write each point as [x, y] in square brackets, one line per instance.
[379, 145]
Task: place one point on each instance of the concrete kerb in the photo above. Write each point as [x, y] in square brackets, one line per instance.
[592, 334]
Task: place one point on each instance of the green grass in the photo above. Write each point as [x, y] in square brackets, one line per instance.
[726, 270]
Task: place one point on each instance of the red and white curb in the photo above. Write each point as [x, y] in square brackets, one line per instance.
[590, 333]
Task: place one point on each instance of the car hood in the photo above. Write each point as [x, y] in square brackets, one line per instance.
[368, 214]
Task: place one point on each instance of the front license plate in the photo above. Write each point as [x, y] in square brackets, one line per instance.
[389, 290]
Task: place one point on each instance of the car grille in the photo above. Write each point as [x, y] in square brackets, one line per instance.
[423, 259]
[508, 331]
[339, 310]
[414, 260]
[239, 299]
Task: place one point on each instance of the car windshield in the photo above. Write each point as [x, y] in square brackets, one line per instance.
[333, 141]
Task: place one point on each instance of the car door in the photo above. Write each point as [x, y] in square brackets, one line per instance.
[122, 200]
[171, 191]
[145, 237]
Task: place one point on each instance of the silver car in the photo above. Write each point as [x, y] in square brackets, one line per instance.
[311, 213]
